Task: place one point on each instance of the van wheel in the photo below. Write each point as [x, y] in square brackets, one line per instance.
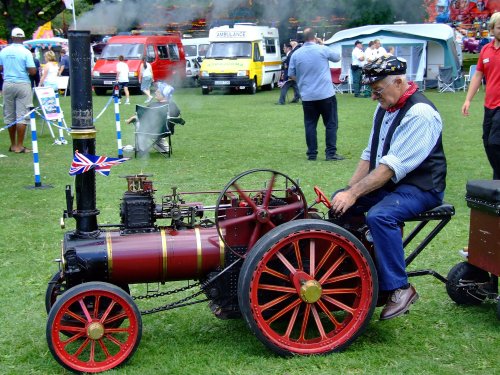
[100, 91]
[205, 91]
[252, 90]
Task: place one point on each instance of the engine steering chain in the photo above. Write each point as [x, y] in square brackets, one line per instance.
[182, 302]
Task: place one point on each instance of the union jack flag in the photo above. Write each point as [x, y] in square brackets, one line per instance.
[84, 162]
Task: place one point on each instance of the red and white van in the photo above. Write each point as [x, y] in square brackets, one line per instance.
[165, 53]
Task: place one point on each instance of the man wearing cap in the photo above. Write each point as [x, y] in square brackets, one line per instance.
[17, 65]
[401, 173]
[309, 65]
[357, 63]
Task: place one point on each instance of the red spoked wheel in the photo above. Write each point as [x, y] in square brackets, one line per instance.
[83, 337]
[255, 202]
[308, 287]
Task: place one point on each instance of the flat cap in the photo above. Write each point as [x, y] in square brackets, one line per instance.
[387, 65]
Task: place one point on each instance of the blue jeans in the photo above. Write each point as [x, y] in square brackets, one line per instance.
[386, 211]
[327, 109]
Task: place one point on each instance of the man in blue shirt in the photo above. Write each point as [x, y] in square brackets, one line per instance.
[17, 65]
[309, 66]
[402, 173]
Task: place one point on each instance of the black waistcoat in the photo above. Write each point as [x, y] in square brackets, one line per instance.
[431, 173]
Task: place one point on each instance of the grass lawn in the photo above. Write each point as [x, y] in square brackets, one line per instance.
[225, 135]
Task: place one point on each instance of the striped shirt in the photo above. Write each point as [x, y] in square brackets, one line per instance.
[412, 141]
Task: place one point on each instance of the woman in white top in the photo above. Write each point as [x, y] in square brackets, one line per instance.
[146, 78]
[50, 71]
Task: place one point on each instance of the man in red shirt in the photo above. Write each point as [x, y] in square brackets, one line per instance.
[488, 66]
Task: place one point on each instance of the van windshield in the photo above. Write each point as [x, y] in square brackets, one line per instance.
[230, 50]
[129, 51]
[190, 51]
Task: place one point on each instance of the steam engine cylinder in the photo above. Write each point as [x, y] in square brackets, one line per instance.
[163, 255]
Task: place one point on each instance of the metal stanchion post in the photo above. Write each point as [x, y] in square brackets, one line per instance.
[116, 94]
[36, 161]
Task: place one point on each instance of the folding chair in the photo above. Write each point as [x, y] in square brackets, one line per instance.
[446, 81]
[468, 77]
[336, 81]
[346, 80]
[151, 129]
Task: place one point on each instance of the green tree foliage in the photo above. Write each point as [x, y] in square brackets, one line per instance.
[27, 14]
[30, 14]
[378, 12]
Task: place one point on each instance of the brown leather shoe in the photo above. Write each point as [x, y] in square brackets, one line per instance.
[399, 302]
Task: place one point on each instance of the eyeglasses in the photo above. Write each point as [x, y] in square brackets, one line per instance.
[378, 93]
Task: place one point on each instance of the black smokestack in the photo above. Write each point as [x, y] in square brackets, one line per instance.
[83, 130]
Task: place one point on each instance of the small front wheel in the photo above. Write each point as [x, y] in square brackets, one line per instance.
[252, 89]
[93, 327]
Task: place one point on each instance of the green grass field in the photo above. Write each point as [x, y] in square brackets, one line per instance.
[225, 135]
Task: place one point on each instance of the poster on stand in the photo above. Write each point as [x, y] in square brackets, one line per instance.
[47, 99]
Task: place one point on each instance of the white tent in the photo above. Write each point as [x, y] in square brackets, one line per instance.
[44, 44]
[426, 47]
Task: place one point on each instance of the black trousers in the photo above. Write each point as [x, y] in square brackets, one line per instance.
[491, 139]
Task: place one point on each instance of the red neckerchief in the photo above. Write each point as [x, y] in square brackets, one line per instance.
[402, 100]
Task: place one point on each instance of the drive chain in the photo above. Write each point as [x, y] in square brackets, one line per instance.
[172, 305]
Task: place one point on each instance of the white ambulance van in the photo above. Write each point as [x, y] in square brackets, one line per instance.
[242, 57]
[195, 47]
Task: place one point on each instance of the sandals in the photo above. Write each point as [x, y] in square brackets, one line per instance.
[24, 150]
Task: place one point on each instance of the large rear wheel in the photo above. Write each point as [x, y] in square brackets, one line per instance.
[307, 287]
[84, 337]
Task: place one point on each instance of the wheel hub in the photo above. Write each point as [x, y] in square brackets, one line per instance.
[310, 291]
[263, 216]
[95, 330]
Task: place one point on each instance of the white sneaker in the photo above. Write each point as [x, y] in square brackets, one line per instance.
[148, 99]
[127, 102]
[119, 102]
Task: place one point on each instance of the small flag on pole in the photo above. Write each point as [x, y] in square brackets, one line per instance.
[84, 162]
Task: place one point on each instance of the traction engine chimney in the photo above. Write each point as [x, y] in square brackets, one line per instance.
[82, 130]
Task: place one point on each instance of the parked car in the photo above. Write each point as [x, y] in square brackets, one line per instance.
[192, 72]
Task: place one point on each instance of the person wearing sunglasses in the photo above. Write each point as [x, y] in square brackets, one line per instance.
[401, 174]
